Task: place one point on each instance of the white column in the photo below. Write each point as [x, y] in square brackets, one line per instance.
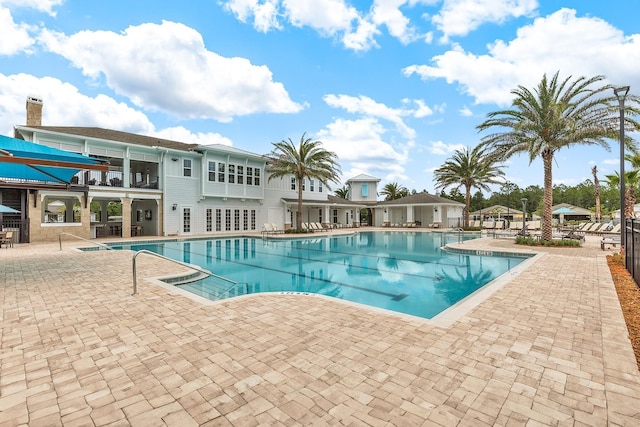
[409, 214]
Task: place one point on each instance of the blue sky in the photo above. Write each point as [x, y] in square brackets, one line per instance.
[394, 87]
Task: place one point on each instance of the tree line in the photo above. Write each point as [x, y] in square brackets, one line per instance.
[510, 195]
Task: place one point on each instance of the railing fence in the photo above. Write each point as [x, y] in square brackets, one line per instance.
[632, 249]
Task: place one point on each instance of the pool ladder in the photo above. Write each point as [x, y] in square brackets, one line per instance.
[100, 245]
[135, 276]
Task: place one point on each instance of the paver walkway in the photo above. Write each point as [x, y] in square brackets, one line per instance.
[548, 348]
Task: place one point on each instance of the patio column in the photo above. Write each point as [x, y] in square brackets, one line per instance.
[126, 217]
[126, 170]
[327, 216]
[410, 214]
[437, 213]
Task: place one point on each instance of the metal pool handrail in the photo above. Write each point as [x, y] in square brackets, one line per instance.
[102, 245]
[191, 266]
[460, 231]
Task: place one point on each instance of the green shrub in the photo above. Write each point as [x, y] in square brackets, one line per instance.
[532, 241]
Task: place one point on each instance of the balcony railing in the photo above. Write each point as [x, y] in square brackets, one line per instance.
[115, 179]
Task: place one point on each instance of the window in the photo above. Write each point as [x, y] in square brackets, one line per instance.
[240, 179]
[320, 215]
[186, 167]
[319, 186]
[218, 219]
[232, 174]
[220, 172]
[245, 220]
[236, 219]
[256, 176]
[303, 183]
[227, 219]
[209, 220]
[335, 216]
[365, 190]
[212, 171]
[293, 183]
[311, 184]
[186, 220]
[253, 219]
[249, 176]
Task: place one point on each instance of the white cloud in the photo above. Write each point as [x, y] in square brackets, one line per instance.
[167, 67]
[388, 13]
[265, 14]
[183, 134]
[441, 149]
[423, 109]
[370, 108]
[15, 37]
[465, 112]
[611, 162]
[356, 29]
[360, 143]
[40, 5]
[460, 17]
[64, 105]
[581, 46]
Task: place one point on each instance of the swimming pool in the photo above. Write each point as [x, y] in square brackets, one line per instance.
[406, 272]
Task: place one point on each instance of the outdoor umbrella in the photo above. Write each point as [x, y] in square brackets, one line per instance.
[562, 212]
[7, 209]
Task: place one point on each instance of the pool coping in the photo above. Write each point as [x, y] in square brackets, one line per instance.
[444, 319]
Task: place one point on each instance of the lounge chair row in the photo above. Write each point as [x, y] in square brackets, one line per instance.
[409, 225]
[598, 228]
[314, 226]
[271, 229]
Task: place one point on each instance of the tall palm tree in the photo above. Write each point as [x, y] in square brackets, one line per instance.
[468, 168]
[554, 115]
[306, 160]
[393, 191]
[342, 192]
[596, 190]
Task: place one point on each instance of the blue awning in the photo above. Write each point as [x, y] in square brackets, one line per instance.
[25, 160]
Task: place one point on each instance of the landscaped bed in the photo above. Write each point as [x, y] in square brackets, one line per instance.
[629, 297]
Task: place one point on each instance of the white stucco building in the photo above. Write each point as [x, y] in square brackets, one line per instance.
[167, 188]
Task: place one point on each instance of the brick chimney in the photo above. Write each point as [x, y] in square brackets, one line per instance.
[34, 111]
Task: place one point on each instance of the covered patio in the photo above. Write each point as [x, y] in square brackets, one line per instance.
[32, 176]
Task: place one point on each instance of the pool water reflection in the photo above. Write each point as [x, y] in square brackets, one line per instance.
[405, 272]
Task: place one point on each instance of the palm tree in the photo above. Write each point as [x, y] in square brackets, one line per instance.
[468, 168]
[631, 180]
[596, 190]
[342, 192]
[393, 191]
[307, 160]
[555, 115]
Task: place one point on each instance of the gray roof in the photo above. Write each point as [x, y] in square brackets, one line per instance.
[115, 135]
[420, 199]
[364, 178]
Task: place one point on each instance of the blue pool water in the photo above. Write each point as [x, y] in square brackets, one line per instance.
[400, 271]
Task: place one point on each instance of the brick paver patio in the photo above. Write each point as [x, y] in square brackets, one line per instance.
[550, 347]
